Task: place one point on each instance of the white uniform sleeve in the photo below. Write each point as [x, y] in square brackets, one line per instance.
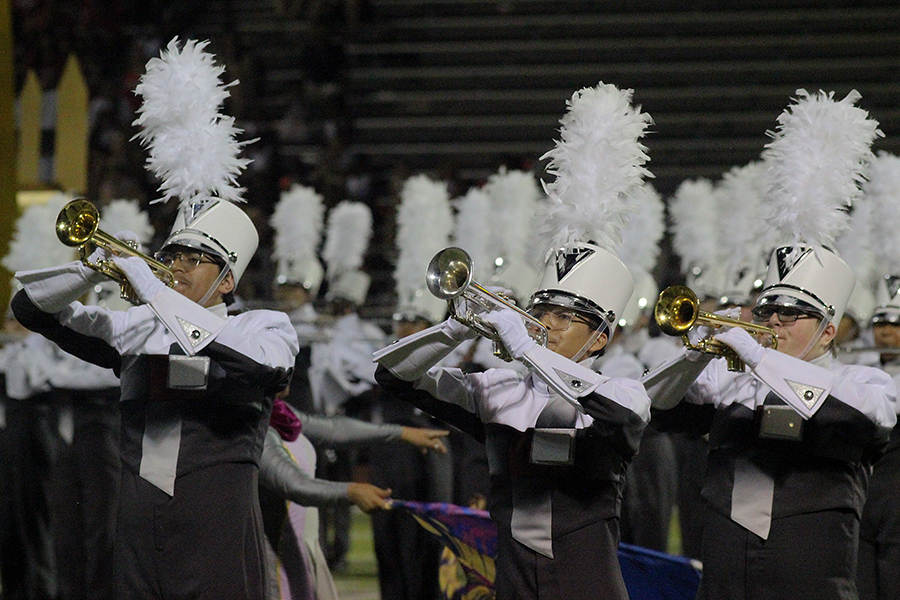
[409, 358]
[805, 386]
[192, 325]
[264, 336]
[53, 288]
[669, 383]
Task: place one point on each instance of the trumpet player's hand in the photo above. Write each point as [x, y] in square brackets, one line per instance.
[750, 351]
[145, 284]
[129, 237]
[102, 254]
[512, 332]
[705, 331]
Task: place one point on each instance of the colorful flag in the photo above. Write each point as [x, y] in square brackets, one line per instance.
[471, 535]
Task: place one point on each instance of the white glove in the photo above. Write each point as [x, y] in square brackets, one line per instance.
[457, 331]
[467, 305]
[129, 237]
[704, 331]
[743, 344]
[101, 254]
[145, 284]
[511, 328]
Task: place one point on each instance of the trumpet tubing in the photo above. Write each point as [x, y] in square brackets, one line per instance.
[678, 311]
[78, 225]
[449, 277]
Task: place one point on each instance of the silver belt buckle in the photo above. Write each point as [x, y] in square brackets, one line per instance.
[553, 446]
[781, 422]
[188, 372]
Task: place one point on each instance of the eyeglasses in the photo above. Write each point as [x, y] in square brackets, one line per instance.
[190, 259]
[555, 319]
[786, 314]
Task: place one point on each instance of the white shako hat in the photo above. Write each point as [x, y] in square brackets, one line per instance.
[297, 222]
[218, 228]
[810, 279]
[744, 237]
[817, 158]
[305, 272]
[352, 286]
[347, 236]
[586, 278]
[598, 163]
[642, 299]
[640, 250]
[424, 224]
[883, 191]
[887, 301]
[422, 305]
[194, 152]
[861, 305]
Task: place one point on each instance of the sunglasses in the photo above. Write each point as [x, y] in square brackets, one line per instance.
[786, 314]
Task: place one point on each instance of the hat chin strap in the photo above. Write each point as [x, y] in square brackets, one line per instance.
[595, 335]
[222, 274]
[815, 338]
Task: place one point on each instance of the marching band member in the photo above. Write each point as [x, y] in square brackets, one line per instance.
[878, 571]
[407, 555]
[297, 221]
[558, 438]
[197, 386]
[651, 483]
[290, 493]
[791, 440]
[341, 373]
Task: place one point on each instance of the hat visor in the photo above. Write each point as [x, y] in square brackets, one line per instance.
[794, 299]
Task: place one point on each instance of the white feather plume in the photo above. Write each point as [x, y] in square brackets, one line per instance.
[473, 232]
[424, 225]
[127, 215]
[642, 234]
[515, 197]
[347, 238]
[856, 244]
[745, 240]
[694, 216]
[596, 163]
[516, 200]
[883, 193]
[34, 244]
[192, 146]
[818, 157]
[297, 220]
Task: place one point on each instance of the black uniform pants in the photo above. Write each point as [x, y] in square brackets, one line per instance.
[28, 446]
[85, 500]
[204, 543]
[806, 557]
[585, 566]
[878, 573]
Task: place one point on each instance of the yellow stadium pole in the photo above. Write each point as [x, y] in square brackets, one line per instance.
[8, 211]
[70, 157]
[29, 150]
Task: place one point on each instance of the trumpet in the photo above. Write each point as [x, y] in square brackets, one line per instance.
[449, 277]
[78, 224]
[678, 310]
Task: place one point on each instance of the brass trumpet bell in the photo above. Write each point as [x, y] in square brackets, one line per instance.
[678, 311]
[449, 277]
[78, 225]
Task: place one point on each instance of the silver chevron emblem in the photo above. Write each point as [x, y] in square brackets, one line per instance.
[573, 383]
[195, 335]
[807, 394]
